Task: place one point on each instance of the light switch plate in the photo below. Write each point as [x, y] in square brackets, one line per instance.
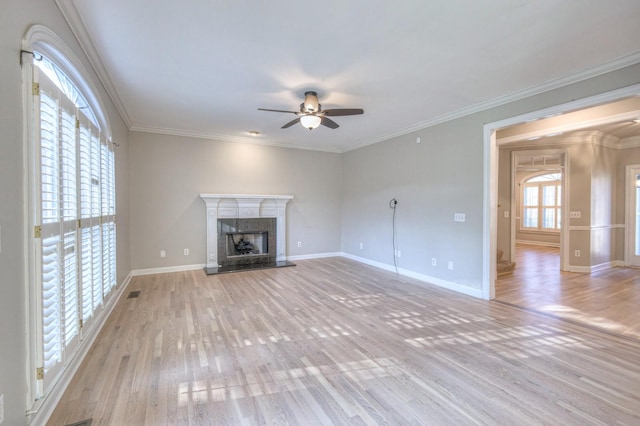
[459, 217]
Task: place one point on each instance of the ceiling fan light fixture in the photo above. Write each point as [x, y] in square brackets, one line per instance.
[310, 121]
[311, 103]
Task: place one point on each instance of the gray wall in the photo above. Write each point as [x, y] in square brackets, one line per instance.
[603, 205]
[431, 180]
[169, 172]
[434, 179]
[16, 16]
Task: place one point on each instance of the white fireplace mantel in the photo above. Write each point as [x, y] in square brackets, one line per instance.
[243, 206]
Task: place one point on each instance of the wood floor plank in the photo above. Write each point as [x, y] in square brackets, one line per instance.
[606, 299]
[332, 341]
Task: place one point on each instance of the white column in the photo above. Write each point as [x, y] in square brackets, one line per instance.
[212, 232]
[281, 230]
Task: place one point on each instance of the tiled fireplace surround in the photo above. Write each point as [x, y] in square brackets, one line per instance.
[242, 206]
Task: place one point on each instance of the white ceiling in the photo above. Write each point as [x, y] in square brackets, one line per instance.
[203, 67]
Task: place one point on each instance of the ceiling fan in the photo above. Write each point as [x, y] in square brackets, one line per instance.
[311, 114]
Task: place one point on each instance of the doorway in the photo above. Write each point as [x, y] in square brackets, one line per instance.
[538, 194]
[632, 201]
[583, 114]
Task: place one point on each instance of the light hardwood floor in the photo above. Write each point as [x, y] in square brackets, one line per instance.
[332, 341]
[608, 300]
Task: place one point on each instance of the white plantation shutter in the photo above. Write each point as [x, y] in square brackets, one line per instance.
[85, 170]
[96, 260]
[52, 339]
[87, 275]
[75, 218]
[70, 303]
[49, 184]
[51, 250]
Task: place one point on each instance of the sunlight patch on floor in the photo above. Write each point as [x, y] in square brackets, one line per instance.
[514, 343]
[249, 385]
[583, 317]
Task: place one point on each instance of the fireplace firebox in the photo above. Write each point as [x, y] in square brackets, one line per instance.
[246, 241]
[247, 244]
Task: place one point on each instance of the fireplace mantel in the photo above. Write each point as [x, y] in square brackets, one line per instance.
[243, 206]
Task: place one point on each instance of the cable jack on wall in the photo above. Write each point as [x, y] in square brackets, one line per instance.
[392, 205]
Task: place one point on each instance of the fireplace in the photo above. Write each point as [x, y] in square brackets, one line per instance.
[246, 241]
[245, 231]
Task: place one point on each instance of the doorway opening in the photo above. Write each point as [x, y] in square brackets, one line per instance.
[537, 197]
[632, 217]
[617, 108]
[595, 237]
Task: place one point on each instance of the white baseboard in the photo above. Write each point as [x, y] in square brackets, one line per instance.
[43, 408]
[418, 276]
[314, 256]
[596, 268]
[164, 270]
[538, 243]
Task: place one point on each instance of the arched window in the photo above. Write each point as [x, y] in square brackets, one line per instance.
[541, 202]
[72, 206]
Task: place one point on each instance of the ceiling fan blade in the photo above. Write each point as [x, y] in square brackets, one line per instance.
[343, 111]
[277, 110]
[329, 123]
[291, 123]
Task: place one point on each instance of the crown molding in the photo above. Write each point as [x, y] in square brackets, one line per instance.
[630, 142]
[79, 30]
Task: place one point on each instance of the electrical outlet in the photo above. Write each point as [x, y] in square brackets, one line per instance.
[186, 252]
[163, 253]
[506, 214]
[434, 262]
[361, 246]
[577, 253]
[1, 409]
[299, 243]
[450, 265]
[459, 217]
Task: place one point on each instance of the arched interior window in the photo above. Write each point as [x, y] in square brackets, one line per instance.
[542, 203]
[72, 202]
[64, 83]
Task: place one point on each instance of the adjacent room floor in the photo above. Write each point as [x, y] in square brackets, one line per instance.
[332, 341]
[608, 300]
